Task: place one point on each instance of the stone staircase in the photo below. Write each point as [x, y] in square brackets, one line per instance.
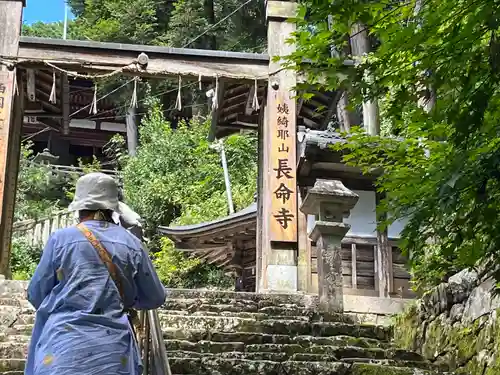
[223, 333]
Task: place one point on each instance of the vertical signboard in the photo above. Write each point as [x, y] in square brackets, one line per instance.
[283, 173]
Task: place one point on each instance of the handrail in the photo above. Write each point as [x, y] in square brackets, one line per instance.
[150, 341]
[152, 345]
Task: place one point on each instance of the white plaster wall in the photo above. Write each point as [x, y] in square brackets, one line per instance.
[363, 218]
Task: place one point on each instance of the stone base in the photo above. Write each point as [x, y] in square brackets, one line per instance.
[282, 279]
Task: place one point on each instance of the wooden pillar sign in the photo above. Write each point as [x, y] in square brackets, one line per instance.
[11, 120]
[283, 173]
[6, 90]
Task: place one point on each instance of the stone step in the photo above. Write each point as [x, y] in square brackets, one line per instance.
[13, 350]
[10, 366]
[20, 339]
[281, 357]
[214, 296]
[250, 338]
[209, 365]
[17, 301]
[229, 307]
[273, 326]
[292, 351]
[18, 350]
[311, 318]
[19, 330]
[235, 366]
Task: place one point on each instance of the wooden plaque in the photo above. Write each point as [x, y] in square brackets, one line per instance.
[283, 168]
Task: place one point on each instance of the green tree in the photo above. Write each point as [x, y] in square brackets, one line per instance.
[173, 23]
[40, 191]
[442, 172]
[53, 30]
[176, 177]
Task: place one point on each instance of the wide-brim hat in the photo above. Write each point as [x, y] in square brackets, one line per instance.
[96, 191]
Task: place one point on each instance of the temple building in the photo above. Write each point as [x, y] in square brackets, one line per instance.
[230, 242]
[57, 117]
[312, 228]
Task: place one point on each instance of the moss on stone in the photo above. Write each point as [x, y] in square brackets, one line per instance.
[472, 349]
[371, 369]
[406, 328]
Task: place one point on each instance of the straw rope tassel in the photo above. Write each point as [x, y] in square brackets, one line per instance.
[93, 107]
[133, 101]
[53, 92]
[215, 101]
[178, 103]
[255, 102]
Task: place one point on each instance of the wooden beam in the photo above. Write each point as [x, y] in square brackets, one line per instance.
[330, 111]
[43, 98]
[97, 57]
[248, 105]
[240, 119]
[219, 96]
[354, 266]
[65, 98]
[50, 123]
[11, 118]
[31, 85]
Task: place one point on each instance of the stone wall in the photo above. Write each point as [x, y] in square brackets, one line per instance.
[456, 326]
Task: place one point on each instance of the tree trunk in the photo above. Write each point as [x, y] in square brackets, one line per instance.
[346, 118]
[360, 46]
[210, 14]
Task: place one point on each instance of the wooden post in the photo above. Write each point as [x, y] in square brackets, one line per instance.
[131, 131]
[383, 259]
[354, 266]
[65, 93]
[277, 251]
[11, 121]
[360, 45]
[304, 251]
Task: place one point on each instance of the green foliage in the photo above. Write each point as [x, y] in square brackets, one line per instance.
[53, 30]
[173, 23]
[245, 31]
[40, 191]
[24, 259]
[442, 172]
[172, 265]
[93, 166]
[177, 178]
[178, 271]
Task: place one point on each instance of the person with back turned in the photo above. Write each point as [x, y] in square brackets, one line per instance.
[89, 276]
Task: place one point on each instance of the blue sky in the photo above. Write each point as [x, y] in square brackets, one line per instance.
[43, 10]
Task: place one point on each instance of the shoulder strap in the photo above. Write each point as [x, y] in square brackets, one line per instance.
[104, 255]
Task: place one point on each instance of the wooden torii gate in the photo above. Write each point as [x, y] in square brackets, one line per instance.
[241, 78]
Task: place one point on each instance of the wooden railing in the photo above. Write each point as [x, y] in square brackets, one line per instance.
[37, 232]
[359, 268]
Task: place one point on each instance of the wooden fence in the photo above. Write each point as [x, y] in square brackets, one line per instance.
[359, 268]
[37, 232]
